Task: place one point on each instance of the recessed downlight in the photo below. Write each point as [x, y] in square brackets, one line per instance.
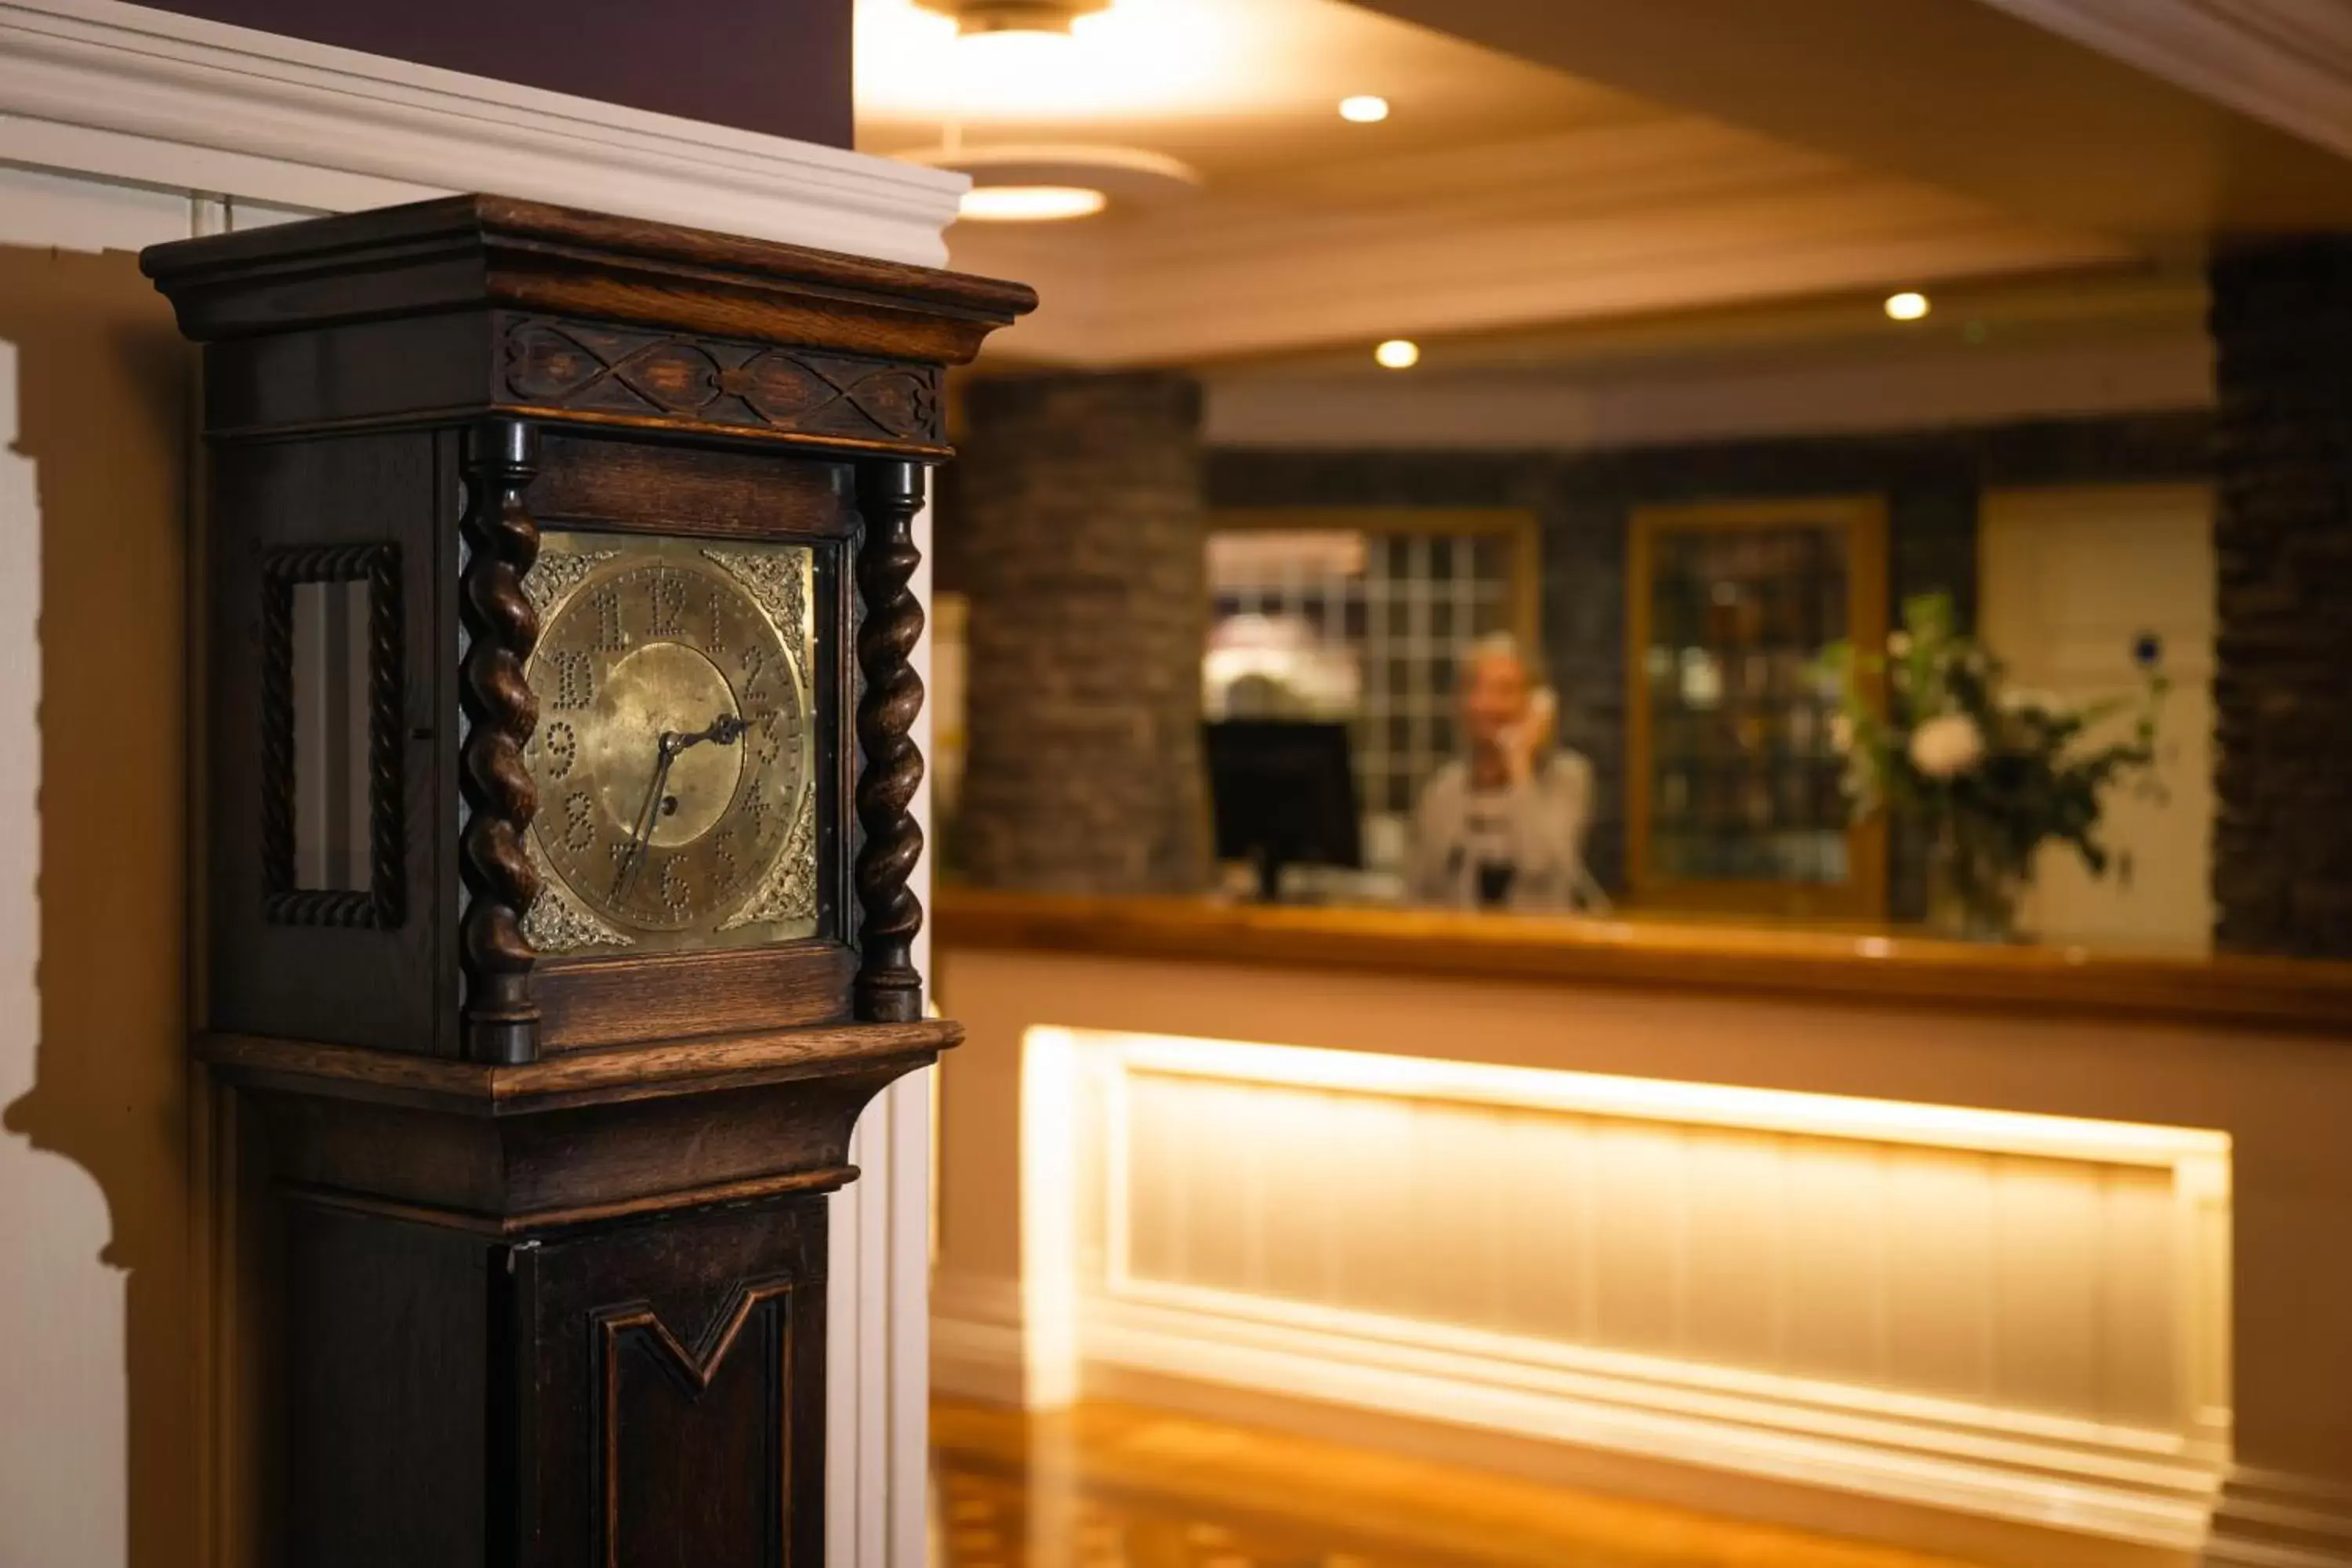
[1364, 108]
[1908, 306]
[1029, 203]
[1398, 354]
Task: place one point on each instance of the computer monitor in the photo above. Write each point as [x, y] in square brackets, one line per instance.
[1285, 794]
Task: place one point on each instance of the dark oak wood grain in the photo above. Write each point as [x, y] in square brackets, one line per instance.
[607, 1396]
[553, 1224]
[681, 1066]
[588, 1003]
[401, 377]
[594, 480]
[465, 250]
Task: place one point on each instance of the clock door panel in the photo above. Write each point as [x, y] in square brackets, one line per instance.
[322, 747]
[675, 1376]
[596, 492]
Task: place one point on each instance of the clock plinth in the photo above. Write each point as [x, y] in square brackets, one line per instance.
[560, 860]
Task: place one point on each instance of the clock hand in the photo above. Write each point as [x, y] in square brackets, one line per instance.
[725, 729]
[641, 832]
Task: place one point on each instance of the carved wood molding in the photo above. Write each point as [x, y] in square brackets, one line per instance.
[501, 1021]
[694, 1367]
[382, 904]
[575, 366]
[889, 989]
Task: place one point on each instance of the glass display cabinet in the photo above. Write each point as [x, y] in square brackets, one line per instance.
[1734, 801]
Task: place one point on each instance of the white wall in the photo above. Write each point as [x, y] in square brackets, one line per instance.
[64, 1395]
[2068, 578]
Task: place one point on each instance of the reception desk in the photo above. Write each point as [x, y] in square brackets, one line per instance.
[2026, 1255]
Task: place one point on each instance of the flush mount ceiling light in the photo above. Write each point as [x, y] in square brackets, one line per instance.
[1908, 306]
[970, 62]
[1398, 354]
[1029, 203]
[976, 16]
[1364, 108]
[1130, 177]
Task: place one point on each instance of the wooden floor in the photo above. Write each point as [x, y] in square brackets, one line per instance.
[1110, 1486]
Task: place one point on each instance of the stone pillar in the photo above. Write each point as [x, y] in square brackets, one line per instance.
[2282, 322]
[1081, 553]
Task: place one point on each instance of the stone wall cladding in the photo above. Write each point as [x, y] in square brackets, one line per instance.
[2282, 323]
[1079, 542]
[1583, 501]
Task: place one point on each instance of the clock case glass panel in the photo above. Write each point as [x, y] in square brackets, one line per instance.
[676, 756]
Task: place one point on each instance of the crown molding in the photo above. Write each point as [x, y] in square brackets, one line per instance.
[1623, 221]
[2287, 63]
[99, 87]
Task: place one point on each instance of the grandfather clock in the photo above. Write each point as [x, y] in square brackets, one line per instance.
[558, 849]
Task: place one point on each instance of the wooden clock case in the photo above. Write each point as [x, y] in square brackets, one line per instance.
[553, 1225]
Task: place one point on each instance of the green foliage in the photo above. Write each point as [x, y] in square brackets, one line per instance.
[2031, 773]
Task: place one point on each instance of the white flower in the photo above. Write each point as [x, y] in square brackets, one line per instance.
[1899, 644]
[1841, 734]
[1946, 746]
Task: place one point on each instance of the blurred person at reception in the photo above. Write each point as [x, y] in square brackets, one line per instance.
[1503, 828]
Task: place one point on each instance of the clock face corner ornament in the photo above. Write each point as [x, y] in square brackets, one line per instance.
[674, 754]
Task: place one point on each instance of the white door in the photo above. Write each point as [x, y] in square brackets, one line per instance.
[2070, 579]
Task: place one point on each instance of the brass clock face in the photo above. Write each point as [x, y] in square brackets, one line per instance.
[673, 756]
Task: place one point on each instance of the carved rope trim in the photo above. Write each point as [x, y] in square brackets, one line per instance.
[382, 905]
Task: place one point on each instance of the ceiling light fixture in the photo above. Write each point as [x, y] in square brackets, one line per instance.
[1029, 203]
[1038, 182]
[1398, 354]
[1908, 306]
[975, 63]
[1364, 108]
[972, 17]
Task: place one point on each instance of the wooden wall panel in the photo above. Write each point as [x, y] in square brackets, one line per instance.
[1989, 1300]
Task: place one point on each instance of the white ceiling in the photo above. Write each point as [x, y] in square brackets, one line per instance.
[1503, 204]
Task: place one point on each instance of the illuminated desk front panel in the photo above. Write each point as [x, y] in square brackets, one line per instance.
[1876, 1265]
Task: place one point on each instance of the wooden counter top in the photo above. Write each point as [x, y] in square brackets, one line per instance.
[1680, 954]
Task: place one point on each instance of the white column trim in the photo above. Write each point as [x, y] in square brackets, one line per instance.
[150, 97]
[2269, 1519]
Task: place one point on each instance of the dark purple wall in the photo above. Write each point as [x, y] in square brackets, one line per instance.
[775, 66]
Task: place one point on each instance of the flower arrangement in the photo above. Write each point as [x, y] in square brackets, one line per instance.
[1933, 729]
